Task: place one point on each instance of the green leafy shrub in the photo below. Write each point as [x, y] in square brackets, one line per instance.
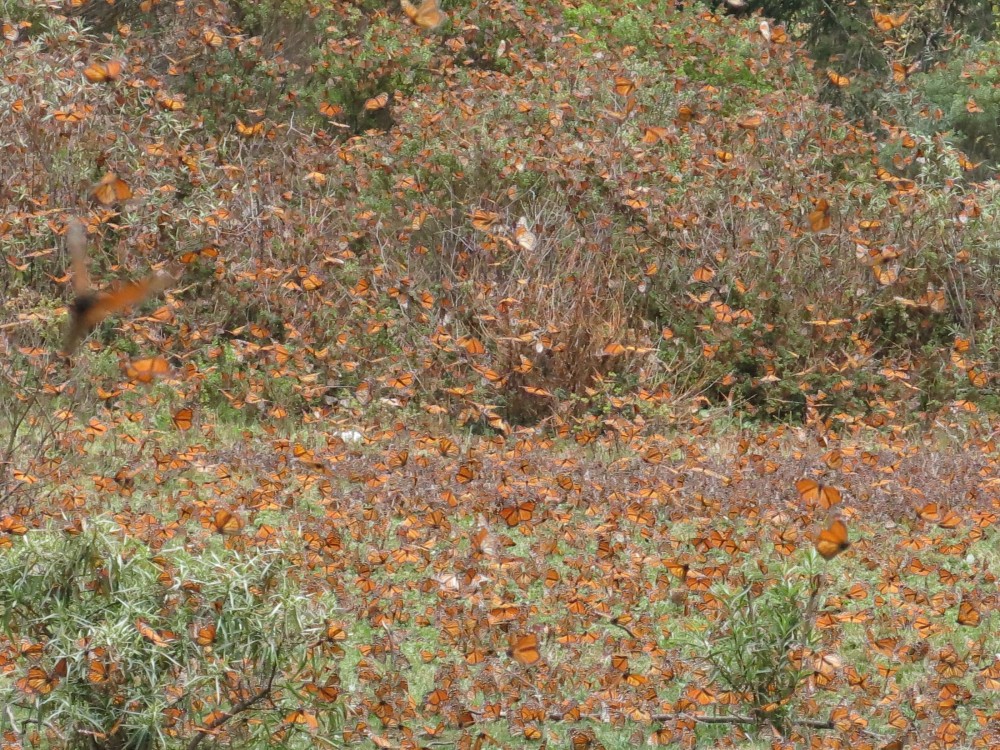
[963, 98]
[760, 644]
[120, 646]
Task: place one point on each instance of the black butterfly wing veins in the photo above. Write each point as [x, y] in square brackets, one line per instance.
[90, 307]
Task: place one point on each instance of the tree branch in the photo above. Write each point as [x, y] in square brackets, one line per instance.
[239, 708]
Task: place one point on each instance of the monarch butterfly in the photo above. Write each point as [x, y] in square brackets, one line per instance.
[156, 637]
[619, 662]
[447, 447]
[98, 672]
[524, 649]
[74, 115]
[885, 273]
[435, 700]
[203, 635]
[427, 16]
[91, 307]
[930, 512]
[10, 32]
[885, 22]
[524, 236]
[812, 491]
[212, 38]
[565, 482]
[465, 474]
[624, 86]
[653, 456]
[702, 274]
[335, 632]
[484, 220]
[40, 682]
[327, 692]
[377, 102]
[306, 718]
[968, 613]
[977, 378]
[170, 102]
[404, 380]
[110, 189]
[330, 110]
[834, 458]
[516, 514]
[13, 525]
[532, 732]
[398, 459]
[832, 540]
[226, 523]
[183, 419]
[838, 80]
[819, 217]
[475, 656]
[249, 130]
[964, 163]
[146, 370]
[103, 72]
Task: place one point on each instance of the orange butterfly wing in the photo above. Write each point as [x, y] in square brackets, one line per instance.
[124, 297]
[103, 72]
[98, 672]
[968, 614]
[814, 492]
[524, 649]
[427, 16]
[518, 513]
[183, 418]
[37, 682]
[110, 189]
[146, 370]
[226, 523]
[832, 540]
[156, 637]
[89, 309]
[204, 635]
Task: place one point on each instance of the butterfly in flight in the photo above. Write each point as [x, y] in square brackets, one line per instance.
[90, 306]
[427, 15]
[832, 540]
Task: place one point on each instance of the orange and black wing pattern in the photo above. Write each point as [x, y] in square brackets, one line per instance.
[91, 307]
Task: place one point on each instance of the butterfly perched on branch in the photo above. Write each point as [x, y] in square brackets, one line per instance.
[91, 306]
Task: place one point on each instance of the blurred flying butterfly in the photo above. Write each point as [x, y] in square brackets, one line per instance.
[91, 306]
[427, 15]
[111, 189]
[832, 540]
[103, 72]
[524, 649]
[815, 492]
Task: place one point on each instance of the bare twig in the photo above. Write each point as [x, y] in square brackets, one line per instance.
[733, 719]
[240, 707]
[613, 620]
[737, 719]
